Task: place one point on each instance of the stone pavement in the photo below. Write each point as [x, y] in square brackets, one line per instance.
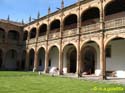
[110, 80]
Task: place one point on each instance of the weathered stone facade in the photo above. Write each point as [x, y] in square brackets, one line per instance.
[82, 30]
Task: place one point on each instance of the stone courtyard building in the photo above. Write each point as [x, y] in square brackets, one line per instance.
[86, 38]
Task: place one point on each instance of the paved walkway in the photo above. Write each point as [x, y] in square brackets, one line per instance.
[110, 80]
[116, 80]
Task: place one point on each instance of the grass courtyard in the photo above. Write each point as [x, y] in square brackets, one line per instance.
[28, 82]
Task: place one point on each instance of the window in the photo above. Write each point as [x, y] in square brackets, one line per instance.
[108, 51]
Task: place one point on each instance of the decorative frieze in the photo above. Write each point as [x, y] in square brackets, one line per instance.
[31, 46]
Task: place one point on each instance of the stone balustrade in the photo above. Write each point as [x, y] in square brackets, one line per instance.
[54, 35]
[118, 22]
[41, 38]
[70, 32]
[33, 40]
[90, 28]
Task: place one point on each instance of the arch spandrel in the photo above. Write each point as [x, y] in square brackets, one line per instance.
[113, 37]
[89, 40]
[106, 3]
[38, 48]
[56, 45]
[86, 7]
[71, 11]
[70, 43]
[32, 48]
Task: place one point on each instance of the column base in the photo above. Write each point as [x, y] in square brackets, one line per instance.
[78, 74]
[102, 77]
[46, 71]
[60, 73]
[35, 69]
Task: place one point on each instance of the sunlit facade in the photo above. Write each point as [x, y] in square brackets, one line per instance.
[86, 38]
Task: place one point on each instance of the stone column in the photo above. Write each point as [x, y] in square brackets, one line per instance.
[61, 51]
[27, 61]
[60, 62]
[46, 59]
[6, 37]
[102, 49]
[46, 70]
[27, 53]
[19, 60]
[78, 60]
[3, 60]
[28, 36]
[102, 60]
[35, 61]
[78, 41]
[20, 37]
[36, 53]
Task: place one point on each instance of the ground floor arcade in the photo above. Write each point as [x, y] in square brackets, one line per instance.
[68, 60]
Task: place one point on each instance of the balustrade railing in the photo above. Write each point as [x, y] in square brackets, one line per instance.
[90, 28]
[33, 40]
[118, 22]
[55, 30]
[41, 38]
[54, 35]
[72, 26]
[42, 34]
[70, 32]
[13, 41]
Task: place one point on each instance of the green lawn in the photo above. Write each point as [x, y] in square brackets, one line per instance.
[28, 82]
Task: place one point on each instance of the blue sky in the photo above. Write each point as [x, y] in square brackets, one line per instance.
[22, 9]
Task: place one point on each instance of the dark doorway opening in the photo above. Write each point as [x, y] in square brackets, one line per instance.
[23, 65]
[73, 61]
[89, 60]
